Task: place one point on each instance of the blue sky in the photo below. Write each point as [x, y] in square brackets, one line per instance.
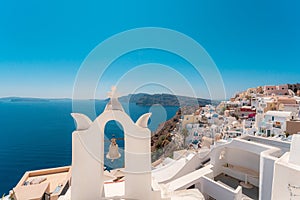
[43, 43]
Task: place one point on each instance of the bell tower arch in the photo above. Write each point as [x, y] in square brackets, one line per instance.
[88, 153]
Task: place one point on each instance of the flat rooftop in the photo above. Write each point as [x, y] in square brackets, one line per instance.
[35, 184]
[283, 145]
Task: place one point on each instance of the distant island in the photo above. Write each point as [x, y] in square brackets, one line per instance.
[141, 99]
[21, 99]
[165, 100]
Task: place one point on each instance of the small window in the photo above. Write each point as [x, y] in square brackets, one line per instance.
[268, 133]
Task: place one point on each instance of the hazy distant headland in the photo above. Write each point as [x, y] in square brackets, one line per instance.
[21, 99]
[165, 100]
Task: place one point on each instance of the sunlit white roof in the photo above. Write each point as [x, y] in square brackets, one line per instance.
[278, 113]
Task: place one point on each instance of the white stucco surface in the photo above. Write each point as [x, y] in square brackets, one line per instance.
[286, 182]
[88, 157]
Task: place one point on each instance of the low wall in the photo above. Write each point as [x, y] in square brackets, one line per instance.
[217, 190]
[267, 163]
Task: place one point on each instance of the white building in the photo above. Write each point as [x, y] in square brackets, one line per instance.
[250, 164]
[286, 184]
[251, 159]
[261, 105]
[278, 118]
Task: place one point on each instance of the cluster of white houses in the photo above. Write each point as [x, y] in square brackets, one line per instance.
[250, 112]
[246, 167]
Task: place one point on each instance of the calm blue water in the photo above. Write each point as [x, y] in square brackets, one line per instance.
[37, 135]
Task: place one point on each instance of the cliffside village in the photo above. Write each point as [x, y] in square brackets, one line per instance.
[267, 111]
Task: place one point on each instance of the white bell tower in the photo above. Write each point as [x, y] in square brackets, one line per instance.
[88, 156]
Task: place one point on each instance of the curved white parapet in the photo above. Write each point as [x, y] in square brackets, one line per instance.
[143, 120]
[83, 122]
[187, 194]
[180, 167]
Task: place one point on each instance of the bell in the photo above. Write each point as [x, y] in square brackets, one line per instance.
[113, 152]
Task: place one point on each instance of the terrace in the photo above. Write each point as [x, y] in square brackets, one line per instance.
[43, 184]
[231, 182]
[245, 164]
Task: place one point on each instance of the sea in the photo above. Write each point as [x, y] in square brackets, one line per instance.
[38, 134]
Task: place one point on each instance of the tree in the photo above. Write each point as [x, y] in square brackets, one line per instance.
[185, 133]
[222, 111]
[287, 134]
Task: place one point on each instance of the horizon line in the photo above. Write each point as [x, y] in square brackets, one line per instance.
[70, 98]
